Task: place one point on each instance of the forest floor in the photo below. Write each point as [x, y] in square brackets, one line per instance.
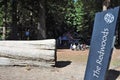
[70, 65]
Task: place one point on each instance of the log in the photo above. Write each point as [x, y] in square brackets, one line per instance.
[35, 53]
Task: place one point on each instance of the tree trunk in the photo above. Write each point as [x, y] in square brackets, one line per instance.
[41, 24]
[34, 53]
[13, 35]
[106, 4]
[3, 33]
[4, 20]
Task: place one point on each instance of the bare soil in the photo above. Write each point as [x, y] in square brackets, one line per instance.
[70, 66]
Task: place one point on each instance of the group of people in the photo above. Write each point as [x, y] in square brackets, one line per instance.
[77, 46]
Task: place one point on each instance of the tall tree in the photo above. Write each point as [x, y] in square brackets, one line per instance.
[90, 7]
[74, 16]
[55, 17]
[28, 15]
[13, 35]
[41, 21]
[4, 20]
[2, 7]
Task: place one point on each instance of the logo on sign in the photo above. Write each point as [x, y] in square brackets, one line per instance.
[109, 18]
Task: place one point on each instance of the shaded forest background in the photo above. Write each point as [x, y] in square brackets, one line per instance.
[44, 19]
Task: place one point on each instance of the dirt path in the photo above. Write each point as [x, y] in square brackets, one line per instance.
[70, 66]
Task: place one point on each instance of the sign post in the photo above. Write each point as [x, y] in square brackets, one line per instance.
[102, 44]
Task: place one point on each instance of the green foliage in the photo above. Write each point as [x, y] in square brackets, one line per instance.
[5, 13]
[61, 15]
[1, 13]
[89, 9]
[75, 14]
[1, 17]
[70, 14]
[55, 21]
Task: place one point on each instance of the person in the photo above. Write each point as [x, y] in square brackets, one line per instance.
[73, 46]
[84, 46]
[27, 34]
[78, 47]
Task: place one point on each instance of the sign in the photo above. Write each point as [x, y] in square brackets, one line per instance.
[102, 44]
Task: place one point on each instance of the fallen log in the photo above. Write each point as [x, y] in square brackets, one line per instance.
[36, 53]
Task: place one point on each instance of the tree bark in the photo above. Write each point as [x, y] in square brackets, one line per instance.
[13, 34]
[106, 4]
[24, 53]
[4, 20]
[41, 24]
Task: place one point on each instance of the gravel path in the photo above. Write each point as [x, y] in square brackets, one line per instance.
[71, 72]
[70, 66]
